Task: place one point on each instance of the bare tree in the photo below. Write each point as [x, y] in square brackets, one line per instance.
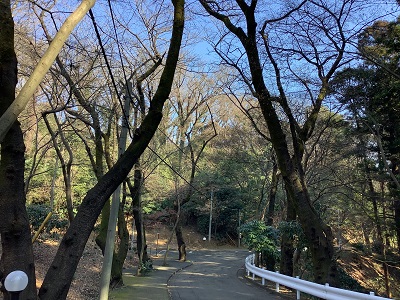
[306, 43]
[194, 122]
[60, 274]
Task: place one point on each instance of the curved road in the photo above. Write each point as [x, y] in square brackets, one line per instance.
[216, 274]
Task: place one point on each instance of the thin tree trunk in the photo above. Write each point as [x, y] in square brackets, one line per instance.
[385, 242]
[65, 166]
[366, 235]
[262, 205]
[8, 117]
[135, 192]
[121, 249]
[377, 219]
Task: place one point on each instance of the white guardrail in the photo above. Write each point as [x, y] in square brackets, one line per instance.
[300, 285]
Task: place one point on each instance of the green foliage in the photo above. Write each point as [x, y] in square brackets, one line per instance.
[151, 206]
[294, 230]
[260, 237]
[145, 266]
[38, 212]
[202, 223]
[370, 93]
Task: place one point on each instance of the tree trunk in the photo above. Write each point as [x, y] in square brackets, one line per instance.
[366, 234]
[179, 239]
[102, 235]
[141, 243]
[181, 243]
[60, 274]
[379, 241]
[17, 253]
[397, 222]
[287, 249]
[65, 166]
[121, 249]
[272, 193]
[319, 235]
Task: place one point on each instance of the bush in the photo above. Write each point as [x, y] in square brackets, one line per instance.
[260, 237]
[37, 214]
[146, 266]
[202, 224]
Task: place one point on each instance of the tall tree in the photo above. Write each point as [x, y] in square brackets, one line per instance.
[316, 36]
[370, 92]
[379, 46]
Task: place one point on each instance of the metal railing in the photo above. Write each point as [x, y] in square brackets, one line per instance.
[300, 285]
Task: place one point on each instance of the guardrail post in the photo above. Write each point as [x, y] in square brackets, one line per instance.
[297, 291]
[277, 284]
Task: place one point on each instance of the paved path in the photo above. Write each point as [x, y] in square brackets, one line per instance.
[208, 274]
[152, 286]
[216, 274]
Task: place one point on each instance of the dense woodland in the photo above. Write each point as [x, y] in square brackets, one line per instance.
[282, 117]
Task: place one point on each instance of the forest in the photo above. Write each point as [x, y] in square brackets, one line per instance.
[275, 124]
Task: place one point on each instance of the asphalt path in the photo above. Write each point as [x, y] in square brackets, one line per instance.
[216, 274]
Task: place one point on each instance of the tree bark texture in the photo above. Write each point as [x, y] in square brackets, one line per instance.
[60, 274]
[17, 253]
